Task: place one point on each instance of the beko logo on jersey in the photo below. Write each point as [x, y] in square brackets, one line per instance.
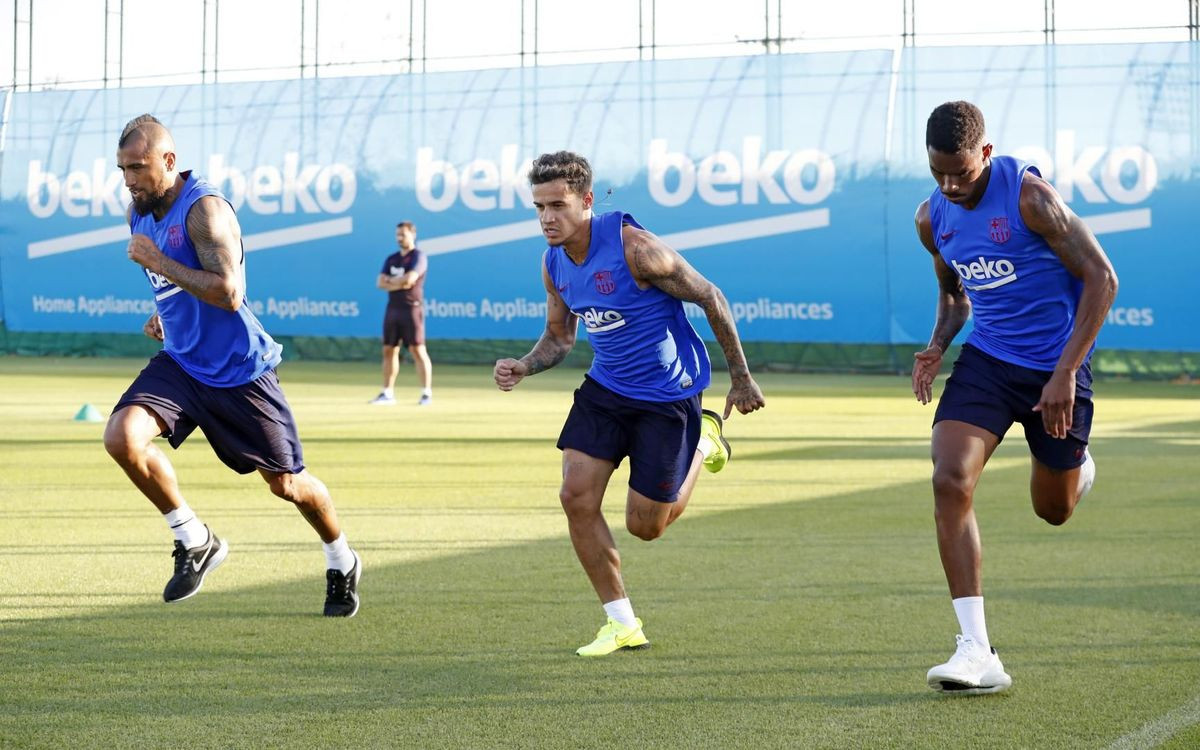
[265, 189]
[158, 281]
[596, 321]
[994, 272]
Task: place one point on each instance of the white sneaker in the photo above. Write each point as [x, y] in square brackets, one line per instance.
[425, 400]
[383, 400]
[973, 670]
[1087, 473]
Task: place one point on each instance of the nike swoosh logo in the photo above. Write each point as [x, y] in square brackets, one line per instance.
[198, 564]
[622, 641]
[563, 288]
[949, 234]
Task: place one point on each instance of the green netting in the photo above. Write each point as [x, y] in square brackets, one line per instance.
[763, 356]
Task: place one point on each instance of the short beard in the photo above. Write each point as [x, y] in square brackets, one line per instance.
[149, 205]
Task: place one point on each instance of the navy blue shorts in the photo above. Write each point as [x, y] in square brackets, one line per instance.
[249, 426]
[404, 325]
[992, 394]
[659, 438]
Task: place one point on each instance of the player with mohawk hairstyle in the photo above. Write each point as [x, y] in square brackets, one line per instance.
[216, 370]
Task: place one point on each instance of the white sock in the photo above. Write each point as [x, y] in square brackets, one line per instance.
[338, 555]
[427, 392]
[389, 392]
[621, 611]
[188, 529]
[970, 619]
[706, 446]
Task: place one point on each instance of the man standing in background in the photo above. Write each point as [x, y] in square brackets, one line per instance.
[403, 278]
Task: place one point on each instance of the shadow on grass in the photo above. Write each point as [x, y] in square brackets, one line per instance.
[814, 630]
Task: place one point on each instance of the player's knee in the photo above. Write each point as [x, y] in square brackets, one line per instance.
[647, 532]
[577, 502]
[1055, 515]
[283, 486]
[951, 485]
[118, 442]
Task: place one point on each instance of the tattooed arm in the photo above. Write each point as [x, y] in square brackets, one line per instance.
[213, 230]
[556, 342]
[953, 309]
[653, 263]
[1044, 212]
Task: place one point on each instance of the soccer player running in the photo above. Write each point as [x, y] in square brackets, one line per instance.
[641, 397]
[216, 370]
[1005, 246]
[403, 278]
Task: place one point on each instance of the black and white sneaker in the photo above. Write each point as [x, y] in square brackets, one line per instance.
[341, 592]
[191, 565]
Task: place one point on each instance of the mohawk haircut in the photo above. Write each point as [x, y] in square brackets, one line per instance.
[135, 127]
[954, 127]
[407, 224]
[562, 165]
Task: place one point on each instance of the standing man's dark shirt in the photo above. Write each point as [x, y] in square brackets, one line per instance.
[398, 264]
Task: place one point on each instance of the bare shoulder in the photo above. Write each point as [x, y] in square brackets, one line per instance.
[1042, 208]
[925, 226]
[648, 256]
[1036, 191]
[212, 220]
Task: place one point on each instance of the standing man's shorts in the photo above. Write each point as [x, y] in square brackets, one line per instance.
[991, 393]
[659, 438]
[248, 426]
[404, 325]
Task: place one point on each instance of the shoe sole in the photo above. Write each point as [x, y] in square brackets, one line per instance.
[639, 647]
[357, 577]
[957, 688]
[217, 559]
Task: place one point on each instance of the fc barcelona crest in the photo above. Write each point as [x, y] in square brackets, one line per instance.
[998, 230]
[175, 236]
[605, 283]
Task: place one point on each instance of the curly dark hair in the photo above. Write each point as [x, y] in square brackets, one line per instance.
[954, 127]
[562, 165]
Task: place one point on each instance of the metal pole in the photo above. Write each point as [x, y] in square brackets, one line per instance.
[29, 70]
[766, 27]
[203, 41]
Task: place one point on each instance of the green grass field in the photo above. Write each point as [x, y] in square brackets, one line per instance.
[797, 603]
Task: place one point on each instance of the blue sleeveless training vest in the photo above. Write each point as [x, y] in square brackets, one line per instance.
[645, 347]
[215, 346]
[1023, 299]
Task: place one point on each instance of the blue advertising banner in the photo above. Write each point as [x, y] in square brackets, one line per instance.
[789, 180]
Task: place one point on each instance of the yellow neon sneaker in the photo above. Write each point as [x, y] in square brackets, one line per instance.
[613, 637]
[711, 427]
